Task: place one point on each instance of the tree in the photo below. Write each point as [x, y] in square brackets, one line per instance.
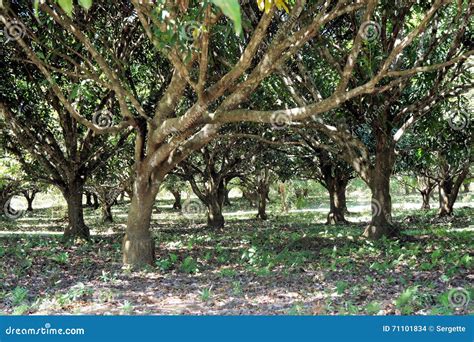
[110, 180]
[52, 146]
[324, 165]
[367, 129]
[29, 191]
[210, 169]
[441, 153]
[175, 185]
[209, 85]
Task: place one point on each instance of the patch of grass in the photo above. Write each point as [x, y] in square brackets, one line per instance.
[127, 308]
[189, 265]
[206, 294]
[18, 296]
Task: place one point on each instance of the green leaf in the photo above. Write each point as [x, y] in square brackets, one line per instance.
[231, 8]
[86, 4]
[66, 5]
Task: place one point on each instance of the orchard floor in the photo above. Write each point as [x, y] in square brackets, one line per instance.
[291, 264]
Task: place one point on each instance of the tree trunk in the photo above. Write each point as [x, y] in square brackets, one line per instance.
[262, 202]
[177, 199]
[96, 204]
[88, 199]
[76, 227]
[426, 200]
[283, 197]
[107, 213]
[466, 187]
[408, 189]
[30, 203]
[215, 219]
[381, 201]
[138, 246]
[445, 204]
[337, 201]
[449, 186]
[226, 197]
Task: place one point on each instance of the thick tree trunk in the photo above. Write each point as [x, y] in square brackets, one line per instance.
[381, 201]
[107, 213]
[215, 219]
[76, 227]
[138, 246]
[445, 203]
[337, 201]
[177, 199]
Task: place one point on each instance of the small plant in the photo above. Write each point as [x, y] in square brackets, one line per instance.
[78, 291]
[18, 296]
[351, 308]
[236, 288]
[21, 309]
[106, 296]
[106, 277]
[127, 308]
[373, 308]
[296, 309]
[405, 301]
[61, 258]
[163, 264]
[228, 272]
[341, 286]
[189, 265]
[206, 294]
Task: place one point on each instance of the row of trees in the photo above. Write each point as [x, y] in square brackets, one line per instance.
[347, 80]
